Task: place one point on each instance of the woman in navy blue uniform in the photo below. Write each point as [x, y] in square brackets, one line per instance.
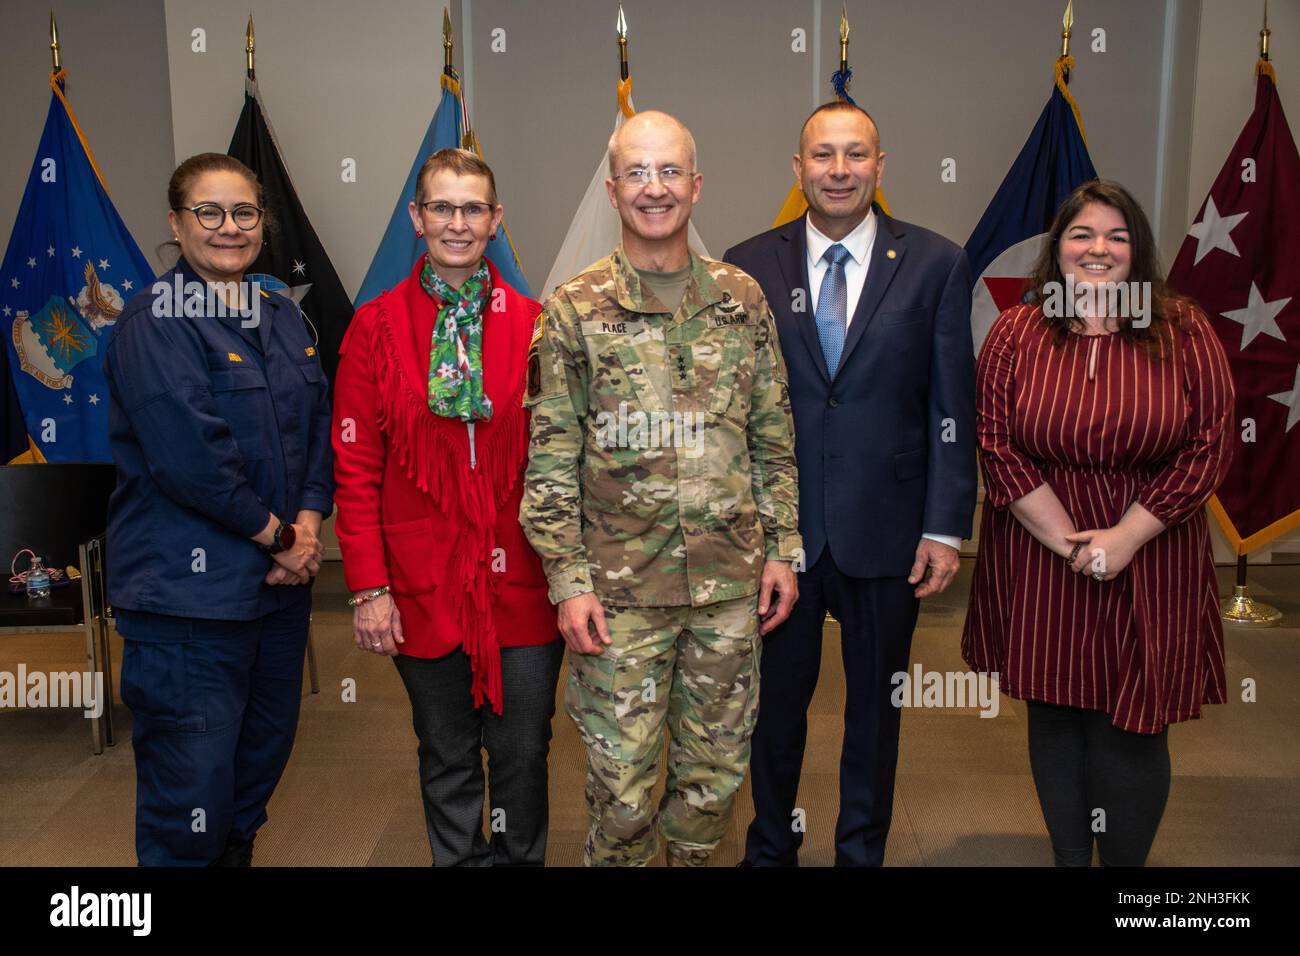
[219, 426]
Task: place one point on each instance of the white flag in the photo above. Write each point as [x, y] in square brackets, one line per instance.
[595, 230]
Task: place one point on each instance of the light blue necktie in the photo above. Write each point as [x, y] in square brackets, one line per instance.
[833, 307]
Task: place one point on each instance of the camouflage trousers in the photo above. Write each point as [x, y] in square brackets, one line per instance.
[695, 669]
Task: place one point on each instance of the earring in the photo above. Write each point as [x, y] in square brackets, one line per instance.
[419, 233]
[492, 235]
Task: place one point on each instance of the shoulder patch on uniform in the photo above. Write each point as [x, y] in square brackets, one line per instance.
[538, 323]
[231, 356]
[534, 373]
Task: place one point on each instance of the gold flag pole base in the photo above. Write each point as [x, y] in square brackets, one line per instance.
[1244, 611]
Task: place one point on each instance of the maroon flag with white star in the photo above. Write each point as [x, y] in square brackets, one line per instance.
[1239, 262]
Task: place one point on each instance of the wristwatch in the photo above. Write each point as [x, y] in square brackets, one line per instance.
[285, 535]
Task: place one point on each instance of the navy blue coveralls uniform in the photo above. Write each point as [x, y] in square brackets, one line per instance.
[213, 427]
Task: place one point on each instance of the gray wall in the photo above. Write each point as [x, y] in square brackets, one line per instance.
[945, 79]
[968, 80]
[545, 108]
[116, 59]
[339, 79]
[1225, 81]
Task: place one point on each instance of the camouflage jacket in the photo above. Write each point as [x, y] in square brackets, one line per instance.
[661, 469]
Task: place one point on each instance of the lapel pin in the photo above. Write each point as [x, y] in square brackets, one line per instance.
[891, 254]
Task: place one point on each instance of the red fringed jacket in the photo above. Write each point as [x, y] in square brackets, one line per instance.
[412, 512]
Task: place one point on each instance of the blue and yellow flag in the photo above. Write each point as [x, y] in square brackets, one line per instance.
[69, 269]
[400, 246]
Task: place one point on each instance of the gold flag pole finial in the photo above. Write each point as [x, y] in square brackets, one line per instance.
[622, 44]
[54, 44]
[248, 49]
[1264, 34]
[446, 41]
[844, 38]
[1067, 27]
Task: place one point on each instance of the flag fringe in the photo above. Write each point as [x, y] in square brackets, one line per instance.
[55, 80]
[1257, 540]
[32, 456]
[1265, 68]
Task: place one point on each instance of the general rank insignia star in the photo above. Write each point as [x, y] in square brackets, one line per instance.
[310, 350]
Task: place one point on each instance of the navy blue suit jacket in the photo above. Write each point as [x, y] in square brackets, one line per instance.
[886, 451]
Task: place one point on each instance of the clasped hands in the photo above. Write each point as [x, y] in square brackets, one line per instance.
[301, 563]
[1105, 552]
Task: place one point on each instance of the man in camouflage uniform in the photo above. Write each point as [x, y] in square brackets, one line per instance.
[661, 495]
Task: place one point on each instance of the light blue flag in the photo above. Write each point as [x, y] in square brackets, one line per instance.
[400, 246]
[70, 268]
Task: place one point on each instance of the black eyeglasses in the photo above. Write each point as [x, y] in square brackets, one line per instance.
[211, 216]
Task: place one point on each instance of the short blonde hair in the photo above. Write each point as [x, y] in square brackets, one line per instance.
[462, 162]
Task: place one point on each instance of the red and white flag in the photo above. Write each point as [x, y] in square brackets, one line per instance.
[1239, 262]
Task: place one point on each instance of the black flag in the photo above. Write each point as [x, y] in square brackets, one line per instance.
[293, 258]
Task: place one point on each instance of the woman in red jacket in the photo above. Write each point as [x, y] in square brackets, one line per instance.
[430, 445]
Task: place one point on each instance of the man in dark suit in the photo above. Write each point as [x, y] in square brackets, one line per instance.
[874, 320]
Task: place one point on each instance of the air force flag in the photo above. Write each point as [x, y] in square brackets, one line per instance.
[70, 267]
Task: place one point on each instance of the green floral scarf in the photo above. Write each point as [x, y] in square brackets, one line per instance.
[456, 352]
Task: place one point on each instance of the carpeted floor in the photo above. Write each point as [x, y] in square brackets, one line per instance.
[964, 794]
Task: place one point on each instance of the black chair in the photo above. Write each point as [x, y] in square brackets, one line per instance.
[60, 512]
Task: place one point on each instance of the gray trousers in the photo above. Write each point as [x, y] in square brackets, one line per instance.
[453, 733]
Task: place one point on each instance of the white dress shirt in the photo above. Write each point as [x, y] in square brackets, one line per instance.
[859, 244]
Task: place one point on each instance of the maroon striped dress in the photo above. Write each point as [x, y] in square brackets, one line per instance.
[1105, 424]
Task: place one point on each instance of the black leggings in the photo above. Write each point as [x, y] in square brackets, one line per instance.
[1082, 764]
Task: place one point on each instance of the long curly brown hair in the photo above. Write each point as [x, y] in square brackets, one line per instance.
[1145, 265]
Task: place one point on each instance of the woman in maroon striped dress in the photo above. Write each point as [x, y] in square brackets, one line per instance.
[1104, 427]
